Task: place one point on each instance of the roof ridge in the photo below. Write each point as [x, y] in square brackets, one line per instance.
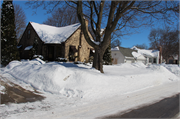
[54, 26]
[52, 34]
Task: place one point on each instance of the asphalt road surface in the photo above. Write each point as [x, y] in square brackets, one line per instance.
[166, 108]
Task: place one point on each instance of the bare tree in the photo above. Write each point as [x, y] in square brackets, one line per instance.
[142, 46]
[114, 16]
[62, 17]
[20, 20]
[115, 43]
[166, 38]
[120, 14]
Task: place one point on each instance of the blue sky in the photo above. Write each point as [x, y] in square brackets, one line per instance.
[127, 41]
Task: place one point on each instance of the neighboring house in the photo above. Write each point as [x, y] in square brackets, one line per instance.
[139, 57]
[53, 42]
[152, 56]
[127, 55]
[173, 59]
[122, 55]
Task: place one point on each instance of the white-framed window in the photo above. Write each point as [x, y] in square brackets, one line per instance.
[150, 60]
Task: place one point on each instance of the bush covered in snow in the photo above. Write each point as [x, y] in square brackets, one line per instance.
[38, 56]
[59, 59]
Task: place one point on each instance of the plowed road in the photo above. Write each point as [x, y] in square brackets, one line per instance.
[117, 104]
[166, 108]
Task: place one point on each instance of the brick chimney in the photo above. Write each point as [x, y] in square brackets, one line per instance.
[160, 54]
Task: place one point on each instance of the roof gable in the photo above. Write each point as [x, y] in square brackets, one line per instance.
[51, 34]
[149, 53]
[126, 51]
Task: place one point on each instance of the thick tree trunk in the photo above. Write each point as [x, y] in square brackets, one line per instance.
[98, 60]
[99, 52]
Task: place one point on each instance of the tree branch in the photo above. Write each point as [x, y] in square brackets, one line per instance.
[83, 25]
[95, 8]
[98, 26]
[70, 5]
[119, 15]
[92, 26]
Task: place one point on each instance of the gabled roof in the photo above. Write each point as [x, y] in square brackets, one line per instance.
[175, 57]
[149, 53]
[138, 55]
[51, 34]
[125, 51]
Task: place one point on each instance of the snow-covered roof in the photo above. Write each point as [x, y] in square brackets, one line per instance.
[149, 53]
[138, 55]
[127, 52]
[28, 47]
[115, 49]
[135, 54]
[51, 34]
[175, 57]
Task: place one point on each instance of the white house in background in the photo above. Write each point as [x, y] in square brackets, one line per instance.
[122, 55]
[127, 55]
[151, 56]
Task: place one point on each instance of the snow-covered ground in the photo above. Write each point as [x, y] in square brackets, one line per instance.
[81, 91]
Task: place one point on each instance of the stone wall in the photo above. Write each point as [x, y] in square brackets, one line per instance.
[84, 50]
[72, 41]
[82, 46]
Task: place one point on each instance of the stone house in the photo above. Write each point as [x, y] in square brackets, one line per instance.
[54, 42]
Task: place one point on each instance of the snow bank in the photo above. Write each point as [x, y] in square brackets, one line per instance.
[46, 77]
[71, 80]
[173, 68]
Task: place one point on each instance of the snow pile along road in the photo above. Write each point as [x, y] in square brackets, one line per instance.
[71, 80]
[173, 68]
[79, 91]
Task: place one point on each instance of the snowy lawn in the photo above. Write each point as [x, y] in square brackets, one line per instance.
[68, 85]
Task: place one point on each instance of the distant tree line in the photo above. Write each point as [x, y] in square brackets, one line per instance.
[62, 16]
[167, 38]
[20, 20]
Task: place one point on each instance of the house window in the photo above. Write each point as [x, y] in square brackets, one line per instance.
[150, 60]
[170, 61]
[29, 34]
[72, 51]
[154, 60]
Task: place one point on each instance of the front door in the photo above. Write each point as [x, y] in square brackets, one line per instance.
[51, 53]
[72, 51]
